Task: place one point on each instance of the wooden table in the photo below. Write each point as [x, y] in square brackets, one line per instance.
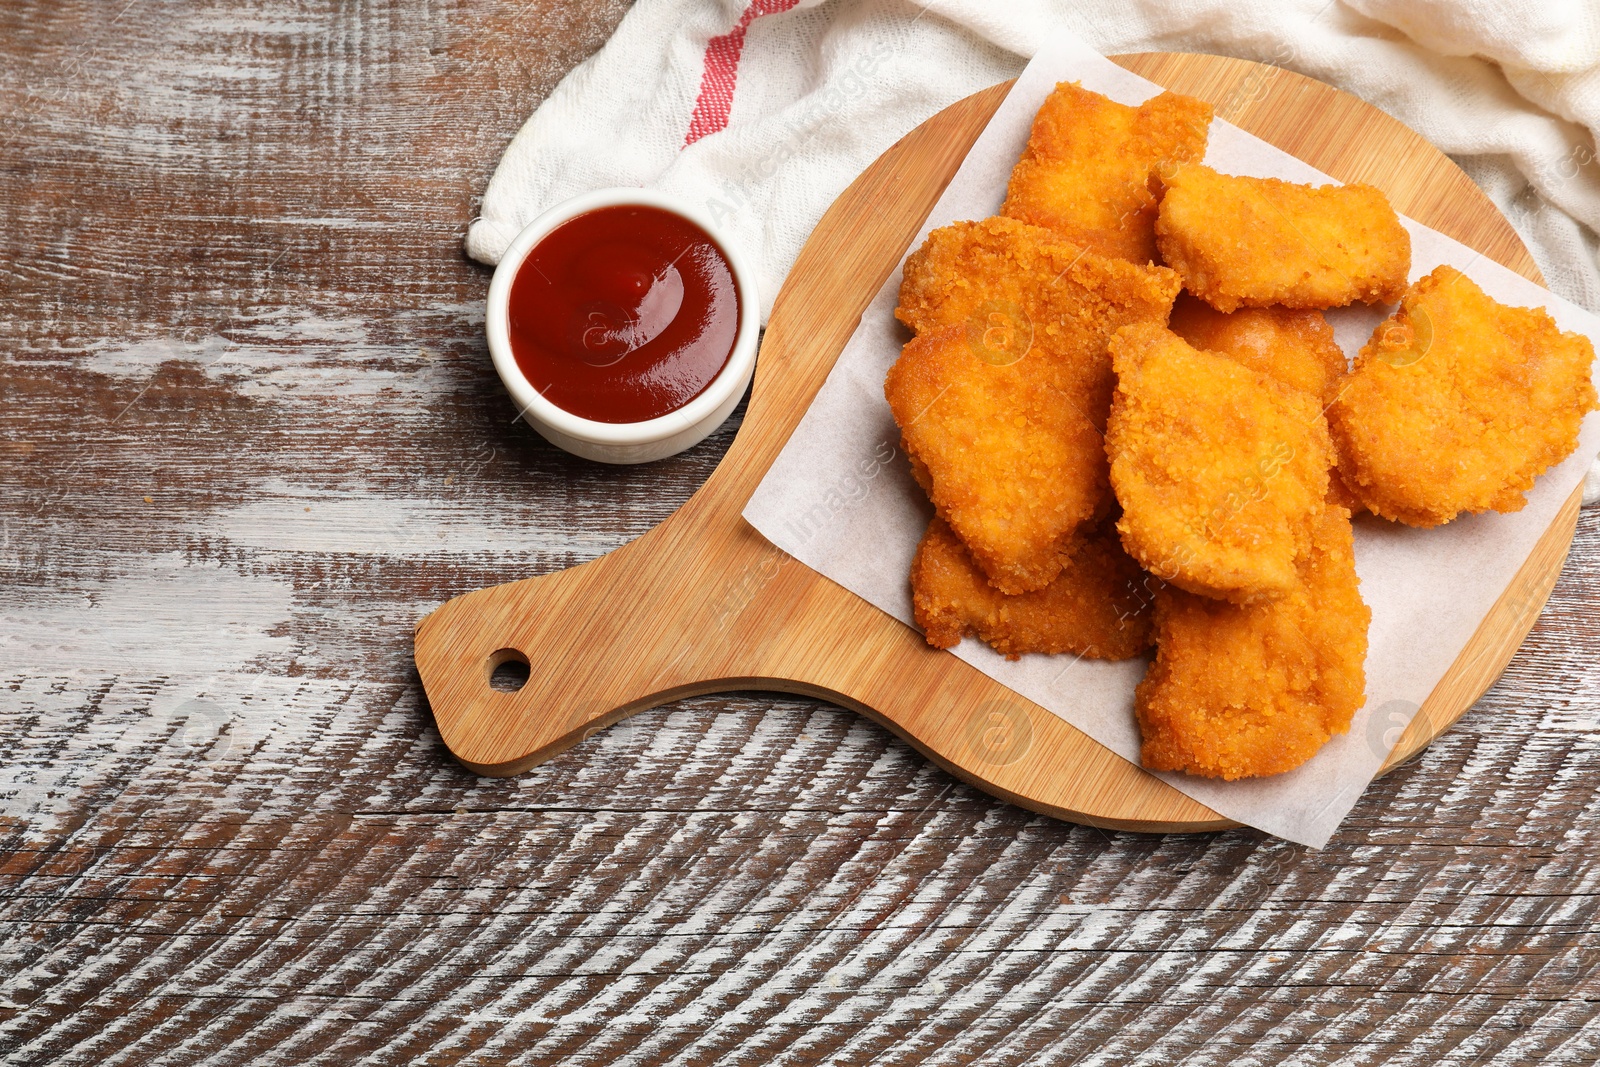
[251, 434]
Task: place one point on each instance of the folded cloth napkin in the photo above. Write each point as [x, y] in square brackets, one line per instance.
[764, 110]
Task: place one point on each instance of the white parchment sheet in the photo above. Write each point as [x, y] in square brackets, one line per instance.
[841, 500]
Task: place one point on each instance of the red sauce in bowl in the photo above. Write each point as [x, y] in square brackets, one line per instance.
[623, 314]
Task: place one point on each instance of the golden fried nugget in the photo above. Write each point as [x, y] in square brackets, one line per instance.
[1092, 608]
[1055, 293]
[1458, 403]
[1093, 167]
[1239, 691]
[1002, 398]
[1251, 242]
[1002, 452]
[1293, 345]
[1222, 472]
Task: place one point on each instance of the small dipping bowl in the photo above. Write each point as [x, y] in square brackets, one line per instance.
[650, 438]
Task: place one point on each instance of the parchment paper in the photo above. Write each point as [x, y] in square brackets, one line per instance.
[841, 500]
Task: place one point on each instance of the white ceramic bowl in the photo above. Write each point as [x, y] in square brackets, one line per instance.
[624, 442]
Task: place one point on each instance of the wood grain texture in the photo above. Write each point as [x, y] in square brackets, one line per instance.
[703, 603]
[229, 834]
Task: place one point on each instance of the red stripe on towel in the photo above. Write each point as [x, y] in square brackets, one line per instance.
[715, 101]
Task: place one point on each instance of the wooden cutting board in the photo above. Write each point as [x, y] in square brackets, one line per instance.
[703, 603]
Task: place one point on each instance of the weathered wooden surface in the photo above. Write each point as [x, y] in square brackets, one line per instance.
[232, 284]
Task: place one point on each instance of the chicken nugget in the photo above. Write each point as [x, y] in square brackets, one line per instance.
[1002, 398]
[1004, 453]
[1060, 295]
[1092, 608]
[1222, 472]
[1251, 242]
[1092, 170]
[1293, 345]
[1458, 403]
[1240, 691]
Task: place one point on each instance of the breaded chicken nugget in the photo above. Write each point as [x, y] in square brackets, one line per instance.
[1458, 403]
[1002, 452]
[1002, 399]
[1061, 294]
[1293, 345]
[1222, 472]
[1250, 242]
[1091, 608]
[1093, 167]
[1239, 691]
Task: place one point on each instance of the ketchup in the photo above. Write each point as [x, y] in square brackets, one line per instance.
[623, 313]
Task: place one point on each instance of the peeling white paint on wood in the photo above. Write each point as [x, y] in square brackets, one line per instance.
[168, 619]
[309, 520]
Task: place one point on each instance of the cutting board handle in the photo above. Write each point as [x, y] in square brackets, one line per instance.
[632, 629]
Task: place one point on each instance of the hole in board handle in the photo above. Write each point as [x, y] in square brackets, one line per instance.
[508, 670]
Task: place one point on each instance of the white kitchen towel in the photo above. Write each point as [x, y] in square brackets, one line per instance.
[764, 110]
